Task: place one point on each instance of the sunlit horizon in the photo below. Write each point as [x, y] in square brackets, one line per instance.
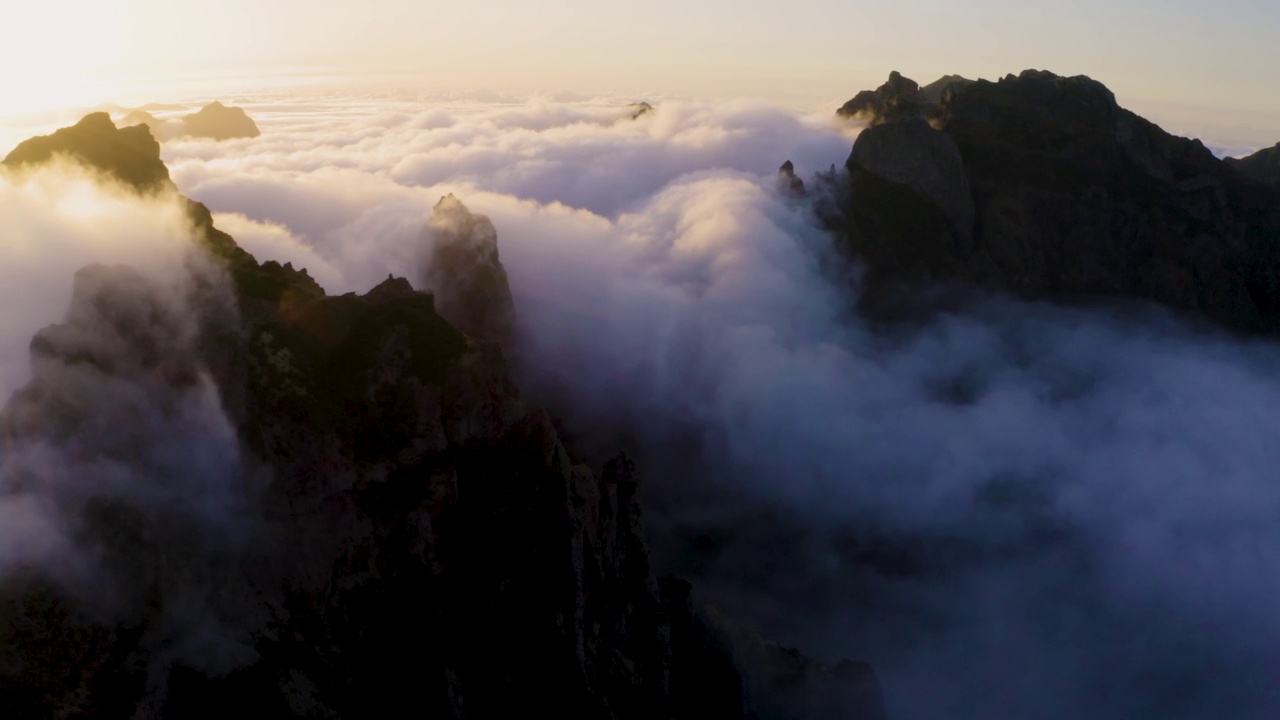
[1200, 70]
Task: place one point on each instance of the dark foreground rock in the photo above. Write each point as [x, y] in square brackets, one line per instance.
[1045, 187]
[272, 502]
[638, 110]
[1263, 165]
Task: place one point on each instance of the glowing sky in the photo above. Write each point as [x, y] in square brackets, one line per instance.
[1221, 54]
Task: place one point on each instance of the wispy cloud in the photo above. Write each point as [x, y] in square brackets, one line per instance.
[1014, 510]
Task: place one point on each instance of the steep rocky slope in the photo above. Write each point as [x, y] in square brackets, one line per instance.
[1044, 186]
[280, 503]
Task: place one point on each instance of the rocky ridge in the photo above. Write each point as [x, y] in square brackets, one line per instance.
[900, 98]
[1045, 187]
[1263, 165]
[390, 524]
[214, 121]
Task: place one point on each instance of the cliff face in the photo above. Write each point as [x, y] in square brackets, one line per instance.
[1044, 186]
[300, 505]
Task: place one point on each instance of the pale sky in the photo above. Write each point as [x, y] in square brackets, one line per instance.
[1173, 53]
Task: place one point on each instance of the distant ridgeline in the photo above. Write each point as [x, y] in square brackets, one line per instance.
[1044, 187]
[214, 121]
[423, 538]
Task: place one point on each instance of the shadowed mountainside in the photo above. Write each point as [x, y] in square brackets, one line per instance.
[1044, 186]
[394, 526]
[1263, 165]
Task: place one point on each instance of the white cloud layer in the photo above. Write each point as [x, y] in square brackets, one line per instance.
[1016, 511]
[120, 472]
[56, 221]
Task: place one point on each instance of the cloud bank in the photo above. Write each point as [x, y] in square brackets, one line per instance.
[1013, 511]
[123, 487]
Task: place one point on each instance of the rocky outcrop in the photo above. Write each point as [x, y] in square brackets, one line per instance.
[901, 98]
[788, 182]
[935, 91]
[219, 122]
[898, 99]
[1263, 165]
[465, 272]
[300, 505]
[639, 110]
[1071, 196]
[214, 121]
[130, 155]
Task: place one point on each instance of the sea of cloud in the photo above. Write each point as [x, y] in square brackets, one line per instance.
[1014, 510]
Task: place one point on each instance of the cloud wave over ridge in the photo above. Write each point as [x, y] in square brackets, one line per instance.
[121, 476]
[1015, 510]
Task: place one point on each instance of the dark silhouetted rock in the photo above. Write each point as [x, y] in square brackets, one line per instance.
[1072, 196]
[901, 98]
[219, 122]
[465, 272]
[1263, 165]
[788, 183]
[408, 532]
[926, 161]
[721, 670]
[933, 92]
[898, 99]
[130, 155]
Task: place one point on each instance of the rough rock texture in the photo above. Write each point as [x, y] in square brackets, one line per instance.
[465, 272]
[1072, 196]
[898, 99]
[1263, 165]
[294, 505]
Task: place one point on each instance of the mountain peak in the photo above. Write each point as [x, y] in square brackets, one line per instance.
[220, 122]
[465, 272]
[130, 154]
